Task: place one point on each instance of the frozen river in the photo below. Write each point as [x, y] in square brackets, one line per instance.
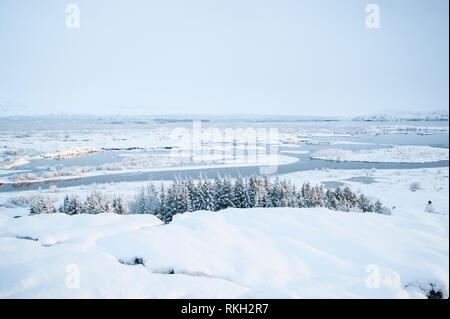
[304, 162]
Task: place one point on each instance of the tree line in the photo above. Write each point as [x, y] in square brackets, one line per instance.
[188, 195]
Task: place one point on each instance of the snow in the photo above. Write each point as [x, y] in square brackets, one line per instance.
[391, 186]
[253, 253]
[137, 166]
[240, 253]
[295, 152]
[391, 115]
[14, 162]
[83, 229]
[395, 154]
[237, 253]
[70, 153]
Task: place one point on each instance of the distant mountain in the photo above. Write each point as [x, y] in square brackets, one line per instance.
[12, 111]
[393, 116]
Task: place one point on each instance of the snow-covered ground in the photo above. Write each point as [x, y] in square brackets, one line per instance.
[26, 139]
[391, 186]
[395, 154]
[391, 115]
[70, 153]
[237, 253]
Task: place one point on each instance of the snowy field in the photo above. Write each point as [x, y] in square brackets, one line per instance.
[238, 253]
[396, 154]
[235, 253]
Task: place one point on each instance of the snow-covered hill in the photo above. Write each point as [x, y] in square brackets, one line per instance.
[393, 116]
[279, 252]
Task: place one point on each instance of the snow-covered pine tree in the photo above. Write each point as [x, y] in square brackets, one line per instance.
[330, 202]
[200, 201]
[65, 205]
[186, 200]
[217, 191]
[170, 204]
[49, 206]
[152, 200]
[318, 196]
[240, 196]
[253, 191]
[264, 198]
[207, 196]
[288, 197]
[342, 204]
[192, 189]
[120, 206]
[107, 206]
[139, 203]
[275, 193]
[365, 204]
[94, 203]
[42, 205]
[226, 193]
[350, 198]
[76, 206]
[181, 197]
[163, 209]
[36, 206]
[306, 195]
[378, 208]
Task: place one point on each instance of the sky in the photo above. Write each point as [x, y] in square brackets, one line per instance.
[286, 57]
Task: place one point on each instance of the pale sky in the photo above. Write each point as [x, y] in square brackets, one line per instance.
[310, 57]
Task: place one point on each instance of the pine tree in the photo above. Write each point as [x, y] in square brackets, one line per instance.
[318, 196]
[186, 200]
[206, 195]
[378, 207]
[139, 203]
[163, 209]
[120, 206]
[65, 205]
[224, 193]
[36, 206]
[350, 197]
[94, 203]
[365, 204]
[75, 206]
[253, 191]
[276, 193]
[193, 192]
[240, 199]
[264, 198]
[42, 205]
[187, 196]
[107, 206]
[171, 208]
[306, 195]
[340, 199]
[152, 200]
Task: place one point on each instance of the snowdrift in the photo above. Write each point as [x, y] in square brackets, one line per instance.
[236, 253]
